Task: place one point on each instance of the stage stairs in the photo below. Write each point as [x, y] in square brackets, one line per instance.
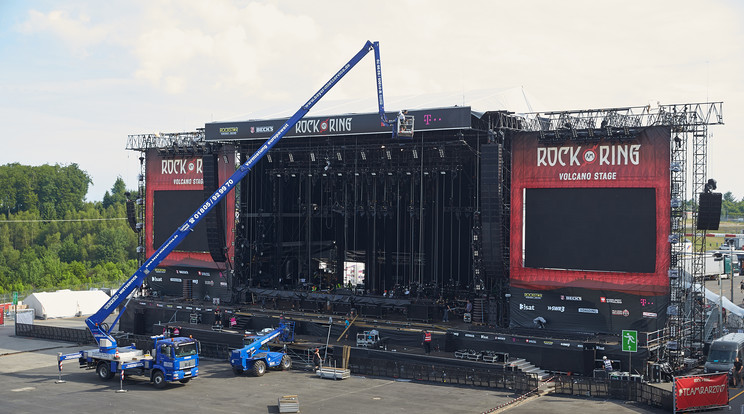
[521, 364]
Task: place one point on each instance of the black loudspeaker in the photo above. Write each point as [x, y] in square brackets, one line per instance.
[215, 220]
[709, 211]
[131, 216]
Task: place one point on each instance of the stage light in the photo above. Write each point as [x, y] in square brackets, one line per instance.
[312, 156]
[415, 154]
[268, 157]
[291, 157]
[387, 154]
[338, 156]
[442, 172]
[327, 166]
[711, 185]
[675, 167]
[441, 152]
[364, 156]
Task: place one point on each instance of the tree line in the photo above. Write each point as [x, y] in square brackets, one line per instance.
[52, 238]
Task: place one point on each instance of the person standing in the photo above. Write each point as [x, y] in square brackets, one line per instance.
[737, 372]
[317, 361]
[607, 364]
[427, 342]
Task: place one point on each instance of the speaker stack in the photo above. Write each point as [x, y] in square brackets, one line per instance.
[215, 219]
[709, 211]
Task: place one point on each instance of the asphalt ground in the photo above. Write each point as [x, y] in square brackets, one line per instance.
[28, 375]
[28, 384]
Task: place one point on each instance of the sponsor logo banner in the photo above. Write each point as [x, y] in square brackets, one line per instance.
[618, 312]
[522, 306]
[557, 308]
[588, 310]
[533, 295]
[573, 298]
[701, 391]
[649, 315]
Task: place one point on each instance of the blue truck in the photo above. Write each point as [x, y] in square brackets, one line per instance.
[255, 357]
[170, 360]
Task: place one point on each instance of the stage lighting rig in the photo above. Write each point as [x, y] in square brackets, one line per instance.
[710, 185]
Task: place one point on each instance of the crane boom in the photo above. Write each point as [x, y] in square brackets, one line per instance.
[95, 322]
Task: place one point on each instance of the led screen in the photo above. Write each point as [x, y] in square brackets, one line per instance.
[171, 209]
[598, 229]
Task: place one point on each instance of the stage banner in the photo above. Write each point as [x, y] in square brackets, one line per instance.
[590, 225]
[700, 391]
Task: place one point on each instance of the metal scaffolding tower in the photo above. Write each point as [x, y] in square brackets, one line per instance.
[683, 335]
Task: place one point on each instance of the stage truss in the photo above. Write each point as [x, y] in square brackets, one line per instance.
[684, 334]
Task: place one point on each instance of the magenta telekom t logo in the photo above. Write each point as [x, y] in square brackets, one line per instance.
[427, 119]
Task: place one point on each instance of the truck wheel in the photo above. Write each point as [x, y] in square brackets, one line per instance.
[158, 378]
[259, 368]
[185, 380]
[286, 363]
[237, 371]
[104, 370]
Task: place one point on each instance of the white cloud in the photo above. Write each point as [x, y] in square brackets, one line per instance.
[77, 32]
[169, 65]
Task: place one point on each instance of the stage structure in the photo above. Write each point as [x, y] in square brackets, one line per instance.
[575, 216]
[181, 170]
[617, 181]
[340, 203]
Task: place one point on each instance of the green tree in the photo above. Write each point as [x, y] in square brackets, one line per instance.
[118, 194]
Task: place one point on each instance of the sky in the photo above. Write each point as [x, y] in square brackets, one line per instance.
[78, 77]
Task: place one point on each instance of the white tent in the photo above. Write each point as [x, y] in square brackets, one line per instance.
[66, 303]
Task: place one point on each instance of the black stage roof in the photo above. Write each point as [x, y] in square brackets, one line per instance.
[458, 117]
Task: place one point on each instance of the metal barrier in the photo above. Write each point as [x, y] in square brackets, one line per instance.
[512, 380]
[55, 333]
[614, 389]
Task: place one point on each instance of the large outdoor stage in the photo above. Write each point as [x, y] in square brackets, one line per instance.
[559, 228]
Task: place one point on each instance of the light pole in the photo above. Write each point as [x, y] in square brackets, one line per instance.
[731, 266]
[720, 306]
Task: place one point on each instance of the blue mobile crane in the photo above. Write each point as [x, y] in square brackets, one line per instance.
[255, 359]
[177, 359]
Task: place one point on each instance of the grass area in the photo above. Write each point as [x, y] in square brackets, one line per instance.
[728, 227]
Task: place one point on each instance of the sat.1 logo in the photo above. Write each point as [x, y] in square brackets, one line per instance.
[590, 156]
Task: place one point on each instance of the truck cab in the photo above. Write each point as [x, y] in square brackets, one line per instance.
[176, 359]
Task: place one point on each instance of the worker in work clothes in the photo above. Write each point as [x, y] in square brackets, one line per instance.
[607, 364]
[427, 342]
[317, 361]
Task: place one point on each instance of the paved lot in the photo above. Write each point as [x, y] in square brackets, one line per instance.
[28, 372]
[217, 390]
